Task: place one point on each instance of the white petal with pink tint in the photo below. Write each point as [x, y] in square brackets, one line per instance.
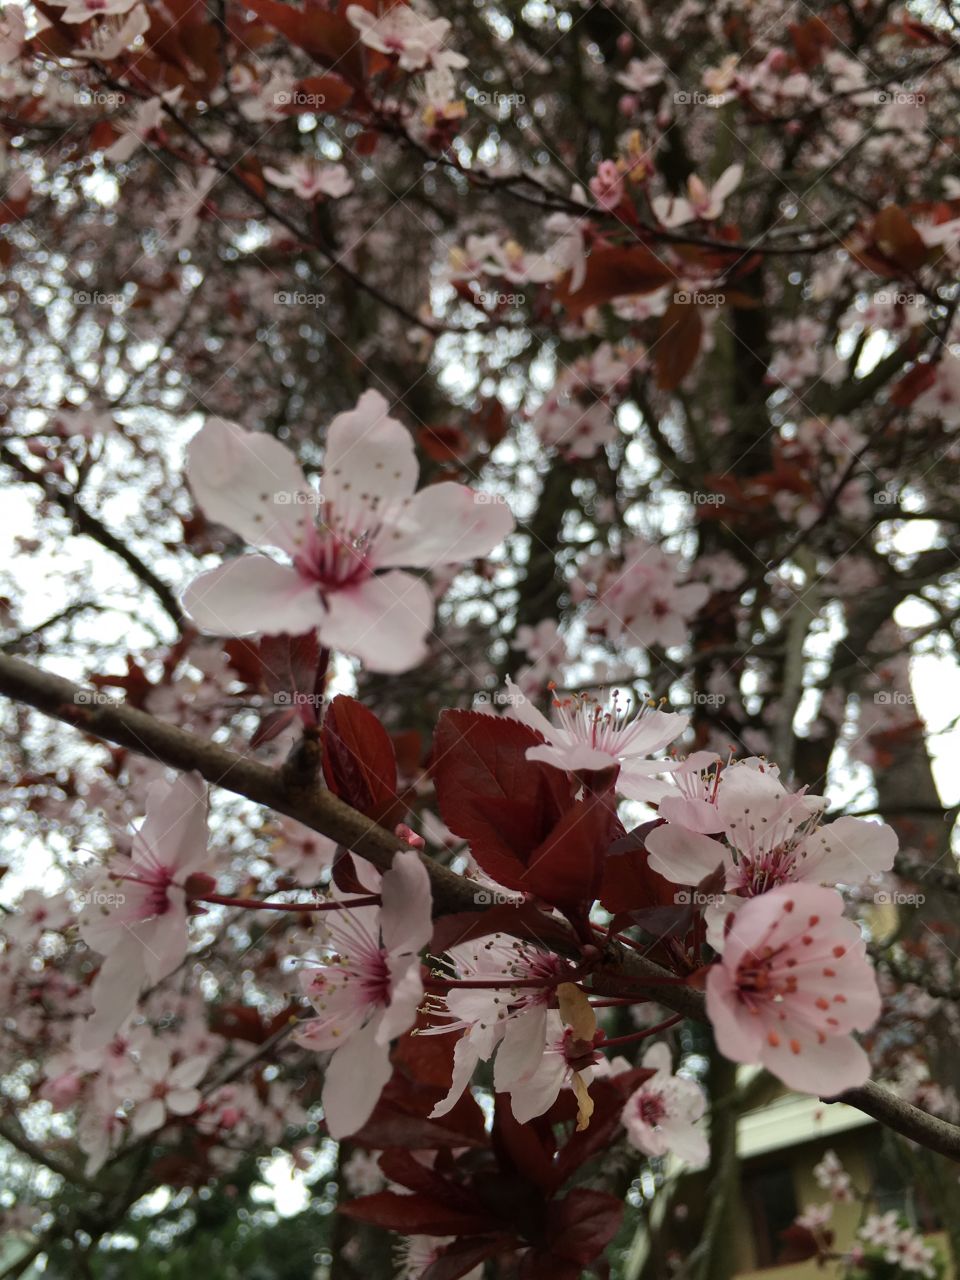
[355, 1077]
[443, 524]
[383, 621]
[250, 483]
[253, 594]
[369, 455]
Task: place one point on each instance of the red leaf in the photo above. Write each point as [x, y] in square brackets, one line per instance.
[678, 343]
[417, 1215]
[582, 1224]
[913, 384]
[291, 672]
[628, 881]
[614, 272]
[489, 794]
[328, 37]
[359, 763]
[462, 1256]
[318, 94]
[444, 443]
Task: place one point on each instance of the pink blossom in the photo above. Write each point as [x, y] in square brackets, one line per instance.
[415, 40]
[589, 738]
[771, 837]
[108, 39]
[562, 1061]
[512, 1020]
[82, 10]
[662, 1116]
[159, 1088]
[815, 1216]
[342, 578]
[642, 601]
[831, 1176]
[311, 181]
[145, 124]
[368, 992]
[701, 202]
[607, 186]
[138, 917]
[792, 984]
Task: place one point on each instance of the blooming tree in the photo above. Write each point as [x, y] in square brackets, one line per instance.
[480, 495]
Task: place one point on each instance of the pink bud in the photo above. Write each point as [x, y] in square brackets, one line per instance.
[627, 104]
[625, 43]
[410, 837]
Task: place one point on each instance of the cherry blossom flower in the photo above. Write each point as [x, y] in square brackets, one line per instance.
[881, 1229]
[642, 601]
[815, 1216]
[510, 1020]
[589, 738]
[342, 579]
[792, 984]
[830, 1174]
[108, 39]
[13, 33]
[607, 186]
[82, 10]
[310, 180]
[302, 852]
[566, 1060]
[772, 837]
[142, 128]
[161, 1089]
[368, 993]
[701, 202]
[641, 74]
[662, 1116]
[416, 41]
[138, 917]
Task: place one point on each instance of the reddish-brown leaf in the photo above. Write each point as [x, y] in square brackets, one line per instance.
[417, 1214]
[359, 763]
[678, 344]
[614, 272]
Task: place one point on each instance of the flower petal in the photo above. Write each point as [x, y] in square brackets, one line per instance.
[383, 621]
[370, 457]
[445, 524]
[253, 595]
[355, 1078]
[250, 483]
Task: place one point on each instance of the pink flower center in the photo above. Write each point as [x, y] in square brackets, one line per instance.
[651, 1109]
[336, 560]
